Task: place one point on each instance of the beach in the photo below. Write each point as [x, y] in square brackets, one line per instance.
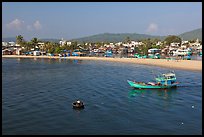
[192, 65]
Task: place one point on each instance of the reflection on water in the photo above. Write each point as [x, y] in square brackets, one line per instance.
[77, 111]
[49, 60]
[76, 61]
[164, 93]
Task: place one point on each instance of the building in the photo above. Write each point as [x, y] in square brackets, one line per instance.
[11, 43]
[175, 44]
[6, 52]
[5, 44]
[36, 53]
[154, 51]
[18, 51]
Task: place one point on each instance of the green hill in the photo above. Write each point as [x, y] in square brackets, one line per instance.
[50, 40]
[8, 39]
[43, 40]
[111, 37]
[191, 35]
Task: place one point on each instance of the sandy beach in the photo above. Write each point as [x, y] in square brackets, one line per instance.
[192, 65]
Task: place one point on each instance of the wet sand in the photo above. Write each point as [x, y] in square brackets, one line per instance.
[193, 65]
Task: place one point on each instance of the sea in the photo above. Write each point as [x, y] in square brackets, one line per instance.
[37, 97]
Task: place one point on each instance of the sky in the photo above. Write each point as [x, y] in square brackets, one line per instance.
[70, 20]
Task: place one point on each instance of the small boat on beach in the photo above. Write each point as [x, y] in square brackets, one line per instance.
[167, 80]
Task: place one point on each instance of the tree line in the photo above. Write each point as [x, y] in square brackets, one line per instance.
[53, 47]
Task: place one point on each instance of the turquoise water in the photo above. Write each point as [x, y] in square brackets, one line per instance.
[37, 96]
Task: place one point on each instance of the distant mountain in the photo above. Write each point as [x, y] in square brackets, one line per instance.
[111, 37]
[43, 40]
[194, 34]
[9, 39]
[51, 40]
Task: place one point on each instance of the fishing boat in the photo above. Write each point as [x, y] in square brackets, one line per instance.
[164, 81]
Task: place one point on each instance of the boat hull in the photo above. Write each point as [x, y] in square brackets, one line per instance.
[145, 86]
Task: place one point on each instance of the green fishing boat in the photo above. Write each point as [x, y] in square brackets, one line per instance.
[163, 81]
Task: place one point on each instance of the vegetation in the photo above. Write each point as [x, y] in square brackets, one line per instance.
[102, 39]
[172, 38]
[192, 35]
[121, 37]
[34, 43]
[127, 39]
[19, 39]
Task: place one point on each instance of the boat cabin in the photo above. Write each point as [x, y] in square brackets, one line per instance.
[168, 78]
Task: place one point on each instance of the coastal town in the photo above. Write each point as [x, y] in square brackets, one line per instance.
[170, 48]
[102, 68]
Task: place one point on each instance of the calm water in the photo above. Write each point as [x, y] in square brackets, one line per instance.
[37, 95]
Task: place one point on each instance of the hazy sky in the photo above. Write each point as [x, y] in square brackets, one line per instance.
[78, 19]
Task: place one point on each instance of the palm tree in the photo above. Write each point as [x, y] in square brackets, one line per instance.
[19, 39]
[127, 39]
[34, 43]
[49, 47]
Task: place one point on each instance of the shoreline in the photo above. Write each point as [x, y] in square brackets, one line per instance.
[192, 65]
